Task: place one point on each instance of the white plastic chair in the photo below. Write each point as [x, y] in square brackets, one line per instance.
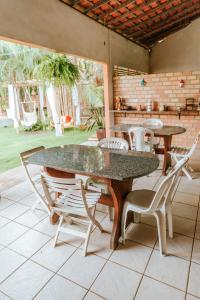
[178, 153]
[155, 203]
[112, 143]
[153, 123]
[137, 139]
[34, 181]
[73, 204]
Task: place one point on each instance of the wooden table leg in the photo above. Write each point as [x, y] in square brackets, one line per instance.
[167, 157]
[118, 190]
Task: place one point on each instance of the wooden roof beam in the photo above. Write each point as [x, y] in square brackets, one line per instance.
[151, 41]
[95, 6]
[112, 10]
[161, 6]
[134, 15]
[184, 18]
[158, 24]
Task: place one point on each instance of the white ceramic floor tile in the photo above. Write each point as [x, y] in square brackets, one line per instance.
[9, 262]
[4, 203]
[3, 221]
[142, 233]
[3, 296]
[10, 232]
[153, 290]
[170, 269]
[59, 288]
[190, 297]
[16, 193]
[116, 282]
[13, 211]
[184, 210]
[28, 200]
[46, 227]
[184, 226]
[100, 241]
[73, 240]
[197, 233]
[186, 198]
[29, 243]
[99, 216]
[53, 258]
[185, 187]
[180, 246]
[26, 282]
[82, 270]
[193, 285]
[92, 296]
[31, 218]
[196, 252]
[132, 255]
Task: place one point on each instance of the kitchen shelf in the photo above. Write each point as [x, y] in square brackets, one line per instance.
[174, 113]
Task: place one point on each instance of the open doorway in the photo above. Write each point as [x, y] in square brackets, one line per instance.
[46, 99]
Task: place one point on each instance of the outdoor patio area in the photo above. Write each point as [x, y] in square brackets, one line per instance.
[32, 269]
[100, 150]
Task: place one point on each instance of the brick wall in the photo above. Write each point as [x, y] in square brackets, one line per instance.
[163, 89]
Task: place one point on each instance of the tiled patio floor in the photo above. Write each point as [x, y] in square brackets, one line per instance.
[30, 268]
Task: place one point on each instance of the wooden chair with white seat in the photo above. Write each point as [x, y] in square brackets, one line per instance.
[157, 203]
[112, 143]
[178, 153]
[34, 181]
[73, 204]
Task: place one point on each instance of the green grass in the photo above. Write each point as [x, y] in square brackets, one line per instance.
[11, 144]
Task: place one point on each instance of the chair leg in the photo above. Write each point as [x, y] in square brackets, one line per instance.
[95, 222]
[161, 226]
[170, 221]
[189, 168]
[87, 238]
[187, 173]
[123, 223]
[57, 232]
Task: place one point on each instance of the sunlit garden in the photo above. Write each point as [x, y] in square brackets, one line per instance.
[46, 99]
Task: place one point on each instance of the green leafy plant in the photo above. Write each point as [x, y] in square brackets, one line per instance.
[95, 118]
[39, 126]
[57, 69]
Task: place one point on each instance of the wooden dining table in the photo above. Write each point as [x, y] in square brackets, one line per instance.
[115, 168]
[166, 133]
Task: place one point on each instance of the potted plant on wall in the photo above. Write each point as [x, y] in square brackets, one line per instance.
[96, 120]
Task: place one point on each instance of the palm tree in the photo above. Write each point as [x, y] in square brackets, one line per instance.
[17, 62]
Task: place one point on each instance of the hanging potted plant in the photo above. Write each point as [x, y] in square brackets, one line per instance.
[57, 71]
[96, 120]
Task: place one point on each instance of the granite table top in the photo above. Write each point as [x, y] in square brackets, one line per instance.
[97, 162]
[159, 132]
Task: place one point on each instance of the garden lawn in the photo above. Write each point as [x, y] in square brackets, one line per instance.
[11, 144]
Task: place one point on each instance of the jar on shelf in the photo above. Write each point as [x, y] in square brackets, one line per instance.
[149, 106]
